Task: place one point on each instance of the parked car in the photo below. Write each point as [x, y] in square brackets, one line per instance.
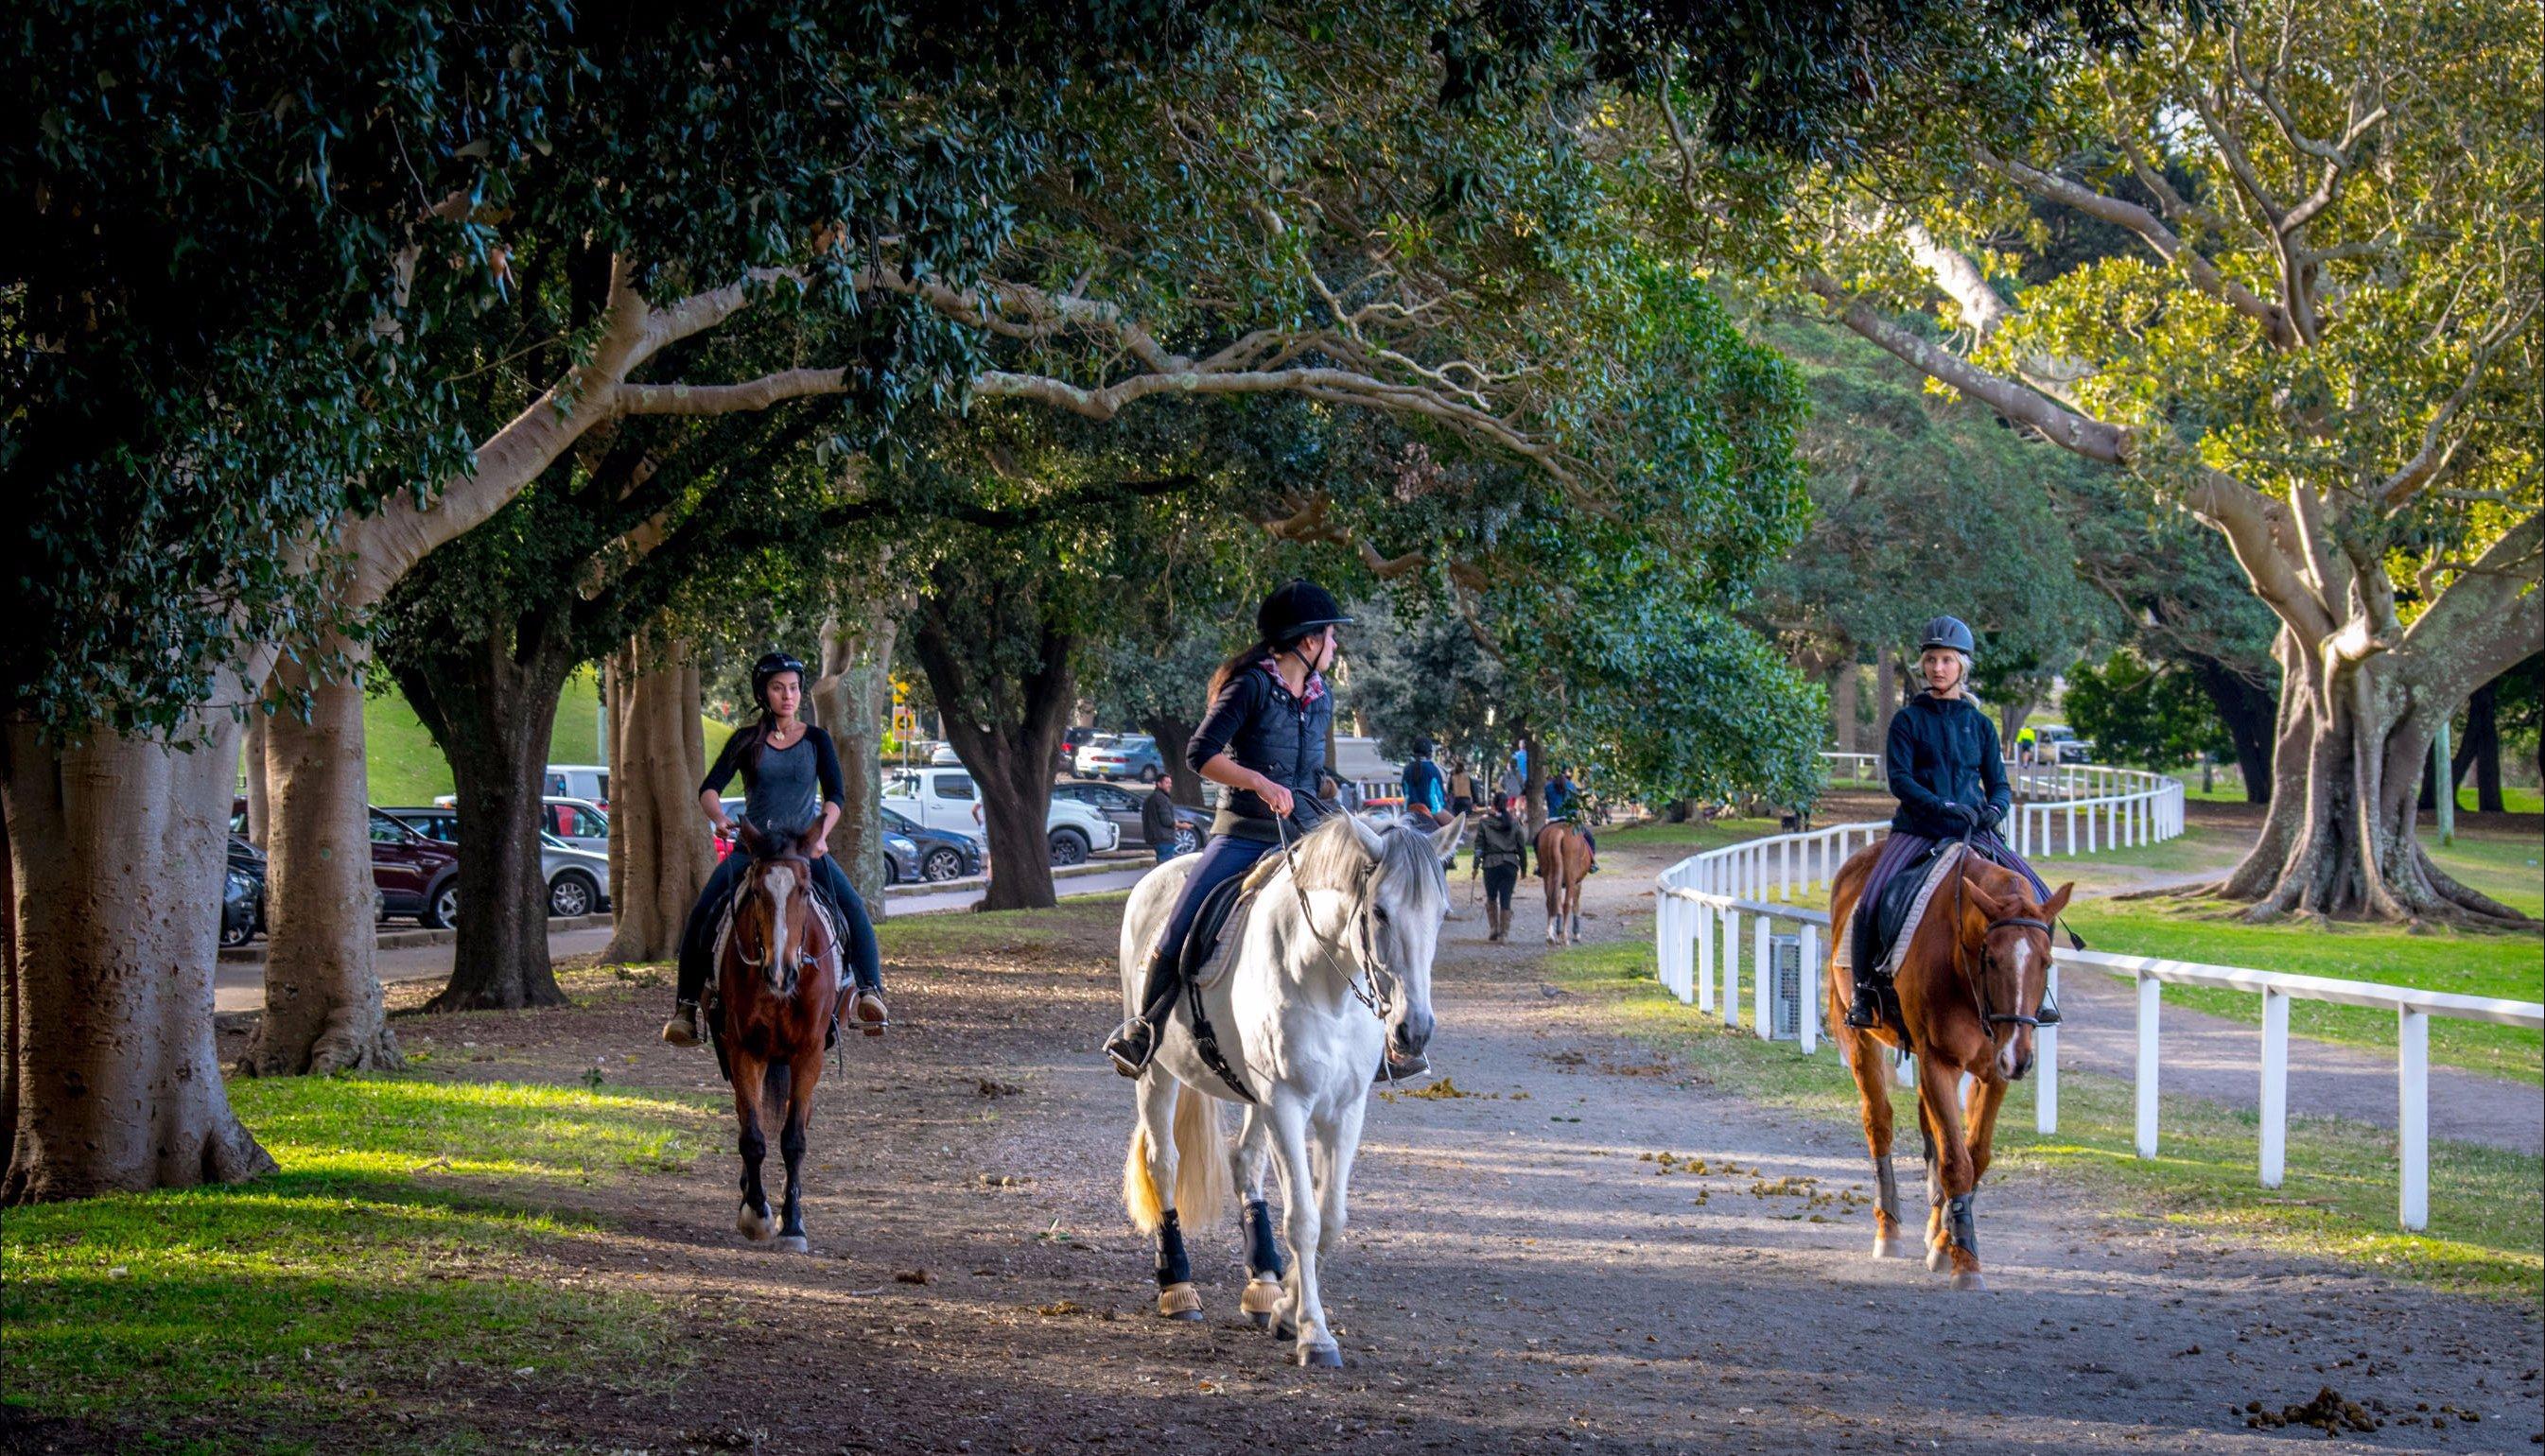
[937, 853]
[578, 878]
[948, 798]
[1072, 739]
[440, 824]
[2057, 743]
[1132, 756]
[1122, 807]
[1083, 764]
[579, 782]
[242, 893]
[415, 876]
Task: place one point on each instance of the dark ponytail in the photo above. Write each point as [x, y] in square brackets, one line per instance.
[1238, 662]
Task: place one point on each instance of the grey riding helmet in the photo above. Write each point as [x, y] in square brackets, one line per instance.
[1948, 631]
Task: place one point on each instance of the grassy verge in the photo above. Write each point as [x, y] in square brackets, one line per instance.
[400, 1251]
[407, 766]
[2486, 1207]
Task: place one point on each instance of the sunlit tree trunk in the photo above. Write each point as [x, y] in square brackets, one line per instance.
[661, 850]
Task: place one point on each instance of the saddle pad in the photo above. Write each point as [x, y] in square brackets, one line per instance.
[1935, 873]
[831, 936]
[1219, 910]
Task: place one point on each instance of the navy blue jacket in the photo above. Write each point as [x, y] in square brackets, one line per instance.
[1257, 722]
[1942, 750]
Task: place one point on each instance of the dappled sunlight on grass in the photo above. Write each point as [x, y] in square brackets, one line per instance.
[394, 1126]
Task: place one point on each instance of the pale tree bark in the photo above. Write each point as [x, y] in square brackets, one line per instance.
[1844, 681]
[260, 818]
[849, 697]
[116, 862]
[323, 1008]
[661, 850]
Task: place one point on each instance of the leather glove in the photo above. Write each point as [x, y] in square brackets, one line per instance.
[1964, 817]
[1991, 817]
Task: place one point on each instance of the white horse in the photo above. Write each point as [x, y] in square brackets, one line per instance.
[1313, 995]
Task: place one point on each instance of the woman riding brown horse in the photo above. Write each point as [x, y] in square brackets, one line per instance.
[777, 992]
[1970, 983]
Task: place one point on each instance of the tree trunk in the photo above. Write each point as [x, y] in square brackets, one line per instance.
[1010, 762]
[2481, 750]
[1171, 734]
[260, 817]
[1844, 681]
[1533, 787]
[323, 1008]
[493, 709]
[1886, 698]
[2010, 719]
[849, 700]
[661, 851]
[2249, 714]
[114, 873]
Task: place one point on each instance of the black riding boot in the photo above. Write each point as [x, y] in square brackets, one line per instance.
[1864, 1009]
[1135, 1042]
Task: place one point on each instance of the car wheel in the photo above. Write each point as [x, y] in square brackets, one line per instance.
[1068, 847]
[1149, 774]
[441, 907]
[234, 935]
[1188, 838]
[571, 895]
[891, 873]
[941, 865]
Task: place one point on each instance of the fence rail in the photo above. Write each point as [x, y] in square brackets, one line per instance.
[1702, 903]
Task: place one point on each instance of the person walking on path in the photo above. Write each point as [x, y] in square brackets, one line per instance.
[782, 760]
[1502, 851]
[1264, 741]
[1943, 761]
[1158, 820]
[1463, 788]
[1513, 783]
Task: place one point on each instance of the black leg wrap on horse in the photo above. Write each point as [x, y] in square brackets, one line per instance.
[1172, 1267]
[1886, 1186]
[1965, 1228]
[1262, 1253]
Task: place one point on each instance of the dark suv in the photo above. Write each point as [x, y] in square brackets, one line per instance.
[413, 875]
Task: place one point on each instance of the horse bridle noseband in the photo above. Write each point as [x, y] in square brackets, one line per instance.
[1380, 1003]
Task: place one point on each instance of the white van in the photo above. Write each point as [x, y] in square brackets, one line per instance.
[946, 798]
[579, 782]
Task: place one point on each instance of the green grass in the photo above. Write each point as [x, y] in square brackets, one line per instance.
[1695, 834]
[397, 1251]
[2338, 1200]
[407, 766]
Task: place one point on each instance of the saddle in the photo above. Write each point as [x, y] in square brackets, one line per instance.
[711, 1011]
[1903, 905]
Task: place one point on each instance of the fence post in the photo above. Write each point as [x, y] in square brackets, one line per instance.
[1704, 957]
[1762, 982]
[1732, 968]
[1807, 1025]
[2150, 989]
[2412, 1072]
[2072, 826]
[2045, 1091]
[2275, 1086]
[1908, 1068]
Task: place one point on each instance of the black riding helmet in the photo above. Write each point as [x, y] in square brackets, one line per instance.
[1295, 608]
[1948, 631]
[769, 667]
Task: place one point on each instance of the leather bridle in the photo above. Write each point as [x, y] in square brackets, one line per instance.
[1979, 982]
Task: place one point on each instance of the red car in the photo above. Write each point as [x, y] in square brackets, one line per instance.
[413, 875]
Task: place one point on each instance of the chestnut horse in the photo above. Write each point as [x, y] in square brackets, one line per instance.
[1970, 983]
[1563, 859]
[778, 987]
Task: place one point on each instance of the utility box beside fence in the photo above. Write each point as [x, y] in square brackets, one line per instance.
[1785, 988]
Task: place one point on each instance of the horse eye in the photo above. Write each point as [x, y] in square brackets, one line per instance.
[1379, 911]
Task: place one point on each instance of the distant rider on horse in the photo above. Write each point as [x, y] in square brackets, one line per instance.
[782, 760]
[1263, 742]
[1943, 762]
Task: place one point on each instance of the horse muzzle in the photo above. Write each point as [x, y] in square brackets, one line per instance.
[1409, 1033]
[2014, 1056]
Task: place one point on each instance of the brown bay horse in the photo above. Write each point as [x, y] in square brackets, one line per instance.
[1970, 983]
[778, 988]
[1563, 859]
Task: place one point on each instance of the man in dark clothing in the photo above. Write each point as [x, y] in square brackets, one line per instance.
[1158, 819]
[1502, 846]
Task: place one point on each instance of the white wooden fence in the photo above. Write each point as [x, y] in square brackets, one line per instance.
[1701, 904]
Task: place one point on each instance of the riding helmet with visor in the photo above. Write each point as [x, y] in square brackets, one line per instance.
[1948, 631]
[1295, 610]
[769, 667]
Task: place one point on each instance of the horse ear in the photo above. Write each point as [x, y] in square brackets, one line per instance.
[2058, 902]
[809, 841]
[1373, 843]
[1445, 841]
[1985, 903]
[752, 842]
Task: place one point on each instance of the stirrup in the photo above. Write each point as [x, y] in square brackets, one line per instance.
[1401, 1071]
[868, 1011]
[683, 1028]
[1864, 1008]
[2048, 1015]
[1131, 1046]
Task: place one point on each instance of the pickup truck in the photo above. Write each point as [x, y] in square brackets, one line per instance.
[939, 797]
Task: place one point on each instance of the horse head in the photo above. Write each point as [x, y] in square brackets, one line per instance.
[776, 928]
[2005, 952]
[1404, 897]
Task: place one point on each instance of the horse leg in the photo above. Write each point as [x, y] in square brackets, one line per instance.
[1264, 1265]
[1873, 1096]
[1980, 1119]
[1554, 884]
[801, 1074]
[1934, 1177]
[1949, 1171]
[1303, 1314]
[1331, 1155]
[748, 1073]
[1573, 908]
[1153, 1149]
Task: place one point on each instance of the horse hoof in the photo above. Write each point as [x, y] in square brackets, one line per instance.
[1180, 1302]
[794, 1243]
[1321, 1357]
[1939, 1258]
[752, 1225]
[1969, 1279]
[1886, 1248]
[1284, 1329]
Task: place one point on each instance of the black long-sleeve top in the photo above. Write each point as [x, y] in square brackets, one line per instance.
[1942, 751]
[778, 784]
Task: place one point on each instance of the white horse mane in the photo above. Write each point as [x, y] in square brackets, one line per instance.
[1333, 856]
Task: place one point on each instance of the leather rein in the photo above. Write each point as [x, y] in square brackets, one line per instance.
[1979, 983]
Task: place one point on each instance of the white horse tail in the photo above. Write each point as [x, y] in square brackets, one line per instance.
[1203, 1183]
